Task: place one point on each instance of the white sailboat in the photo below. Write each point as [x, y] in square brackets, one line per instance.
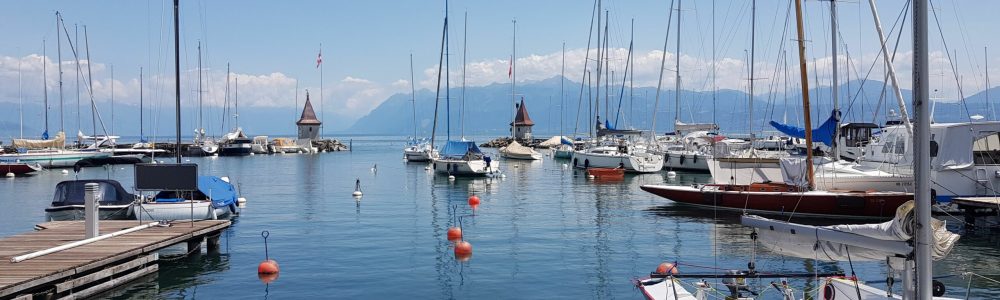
[515, 150]
[417, 150]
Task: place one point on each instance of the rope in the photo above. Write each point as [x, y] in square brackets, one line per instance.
[850, 262]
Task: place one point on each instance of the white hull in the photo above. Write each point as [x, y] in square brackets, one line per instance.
[521, 156]
[686, 160]
[666, 289]
[187, 210]
[54, 158]
[635, 162]
[465, 168]
[418, 155]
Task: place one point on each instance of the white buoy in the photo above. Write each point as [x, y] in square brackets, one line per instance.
[10, 174]
[64, 172]
[375, 168]
[357, 188]
[516, 166]
[671, 174]
[590, 176]
[451, 177]
[241, 202]
[427, 167]
[251, 153]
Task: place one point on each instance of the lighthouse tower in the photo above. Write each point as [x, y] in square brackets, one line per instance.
[308, 126]
[521, 126]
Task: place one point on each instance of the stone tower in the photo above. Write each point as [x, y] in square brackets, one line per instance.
[522, 123]
[308, 124]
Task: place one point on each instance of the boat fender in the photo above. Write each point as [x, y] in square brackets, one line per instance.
[695, 159]
[586, 163]
[682, 159]
[937, 288]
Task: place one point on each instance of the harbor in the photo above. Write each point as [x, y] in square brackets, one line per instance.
[810, 181]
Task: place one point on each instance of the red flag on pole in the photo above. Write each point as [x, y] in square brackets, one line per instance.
[510, 67]
[319, 59]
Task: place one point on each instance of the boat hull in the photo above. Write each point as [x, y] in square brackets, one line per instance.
[779, 200]
[187, 210]
[465, 168]
[76, 212]
[236, 150]
[19, 168]
[563, 154]
[418, 155]
[55, 158]
[644, 163]
[521, 156]
[686, 161]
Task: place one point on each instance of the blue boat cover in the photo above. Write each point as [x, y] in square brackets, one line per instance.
[219, 191]
[607, 125]
[823, 134]
[566, 141]
[457, 149]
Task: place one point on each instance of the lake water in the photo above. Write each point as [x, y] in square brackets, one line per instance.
[543, 232]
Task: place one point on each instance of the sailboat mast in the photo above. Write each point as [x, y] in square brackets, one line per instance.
[20, 100]
[805, 92]
[45, 87]
[447, 73]
[677, 70]
[90, 85]
[753, 42]
[142, 136]
[177, 78]
[586, 63]
[600, 66]
[413, 97]
[836, 87]
[921, 141]
[201, 126]
[465, 46]
[986, 56]
[112, 99]
[76, 58]
[62, 120]
[236, 100]
[437, 88]
[663, 64]
[562, 91]
[513, 80]
[904, 116]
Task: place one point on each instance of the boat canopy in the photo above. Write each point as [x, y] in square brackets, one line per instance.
[458, 149]
[73, 192]
[823, 134]
[555, 141]
[58, 142]
[212, 188]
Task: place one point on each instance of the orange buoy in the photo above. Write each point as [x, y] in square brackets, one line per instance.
[666, 267]
[268, 267]
[463, 248]
[454, 233]
[267, 278]
[474, 200]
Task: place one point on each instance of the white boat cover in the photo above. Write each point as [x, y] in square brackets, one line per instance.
[59, 142]
[553, 141]
[689, 127]
[516, 148]
[873, 242]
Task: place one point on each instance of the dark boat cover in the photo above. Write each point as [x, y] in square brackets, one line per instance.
[72, 192]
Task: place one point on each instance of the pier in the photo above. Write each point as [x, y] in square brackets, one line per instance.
[96, 267]
[980, 211]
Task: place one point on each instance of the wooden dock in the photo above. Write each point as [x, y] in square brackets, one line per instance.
[980, 211]
[93, 268]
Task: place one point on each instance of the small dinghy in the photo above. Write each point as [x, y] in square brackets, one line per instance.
[607, 173]
[70, 196]
[215, 199]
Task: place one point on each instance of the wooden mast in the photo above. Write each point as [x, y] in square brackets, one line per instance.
[805, 92]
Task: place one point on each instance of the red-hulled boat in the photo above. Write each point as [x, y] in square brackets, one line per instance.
[785, 199]
[18, 168]
[607, 173]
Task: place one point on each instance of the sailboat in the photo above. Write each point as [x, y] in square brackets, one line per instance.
[613, 147]
[515, 150]
[692, 146]
[215, 196]
[202, 142]
[564, 149]
[46, 152]
[417, 150]
[236, 143]
[461, 157]
[908, 244]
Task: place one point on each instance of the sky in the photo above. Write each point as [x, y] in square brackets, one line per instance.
[271, 47]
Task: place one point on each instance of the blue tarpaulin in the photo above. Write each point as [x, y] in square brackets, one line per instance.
[566, 141]
[823, 134]
[457, 149]
[221, 193]
[607, 125]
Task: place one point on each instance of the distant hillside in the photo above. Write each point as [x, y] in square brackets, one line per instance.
[489, 109]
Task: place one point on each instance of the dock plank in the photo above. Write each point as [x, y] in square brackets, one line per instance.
[50, 269]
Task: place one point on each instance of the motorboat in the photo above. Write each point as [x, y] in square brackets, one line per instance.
[16, 167]
[463, 158]
[216, 198]
[70, 196]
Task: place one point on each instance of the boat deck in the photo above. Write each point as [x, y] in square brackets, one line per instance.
[93, 268]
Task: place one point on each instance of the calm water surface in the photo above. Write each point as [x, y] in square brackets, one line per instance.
[543, 232]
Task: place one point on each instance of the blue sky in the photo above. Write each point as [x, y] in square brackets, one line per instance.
[272, 45]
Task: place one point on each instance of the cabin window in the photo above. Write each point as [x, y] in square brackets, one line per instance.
[934, 148]
[900, 145]
[986, 150]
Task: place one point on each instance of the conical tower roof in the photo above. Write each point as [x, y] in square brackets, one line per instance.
[308, 114]
[522, 118]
